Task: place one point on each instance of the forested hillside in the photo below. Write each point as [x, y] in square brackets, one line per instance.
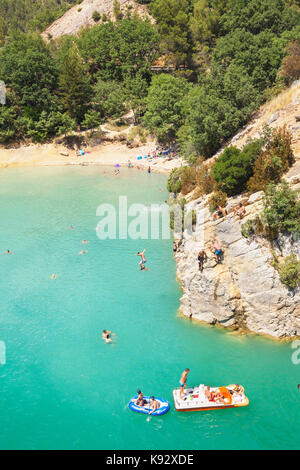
[29, 15]
[220, 60]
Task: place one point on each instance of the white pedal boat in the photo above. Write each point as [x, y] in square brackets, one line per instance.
[194, 399]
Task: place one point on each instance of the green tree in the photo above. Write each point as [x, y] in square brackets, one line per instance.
[173, 25]
[164, 106]
[205, 22]
[234, 167]
[109, 98]
[28, 69]
[209, 120]
[8, 124]
[281, 211]
[74, 86]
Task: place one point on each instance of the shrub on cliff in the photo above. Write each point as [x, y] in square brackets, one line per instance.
[174, 181]
[290, 69]
[218, 198]
[281, 211]
[273, 162]
[289, 270]
[234, 167]
[96, 16]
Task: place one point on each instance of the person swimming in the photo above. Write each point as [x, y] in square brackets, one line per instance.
[82, 252]
[106, 335]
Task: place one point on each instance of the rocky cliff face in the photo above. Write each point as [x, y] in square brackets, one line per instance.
[244, 291]
[81, 15]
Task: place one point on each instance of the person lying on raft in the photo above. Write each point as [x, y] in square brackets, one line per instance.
[218, 397]
[140, 401]
[154, 405]
[238, 391]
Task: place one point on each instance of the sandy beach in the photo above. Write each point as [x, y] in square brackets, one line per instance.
[107, 153]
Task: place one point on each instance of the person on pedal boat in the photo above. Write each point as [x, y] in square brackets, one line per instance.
[182, 381]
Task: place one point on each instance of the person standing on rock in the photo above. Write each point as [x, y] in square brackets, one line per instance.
[202, 257]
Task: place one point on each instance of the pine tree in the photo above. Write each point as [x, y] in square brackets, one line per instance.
[74, 86]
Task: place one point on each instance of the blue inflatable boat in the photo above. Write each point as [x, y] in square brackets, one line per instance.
[163, 408]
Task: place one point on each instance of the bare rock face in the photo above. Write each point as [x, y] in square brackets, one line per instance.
[244, 291]
[81, 15]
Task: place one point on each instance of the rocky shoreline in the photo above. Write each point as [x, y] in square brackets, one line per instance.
[244, 292]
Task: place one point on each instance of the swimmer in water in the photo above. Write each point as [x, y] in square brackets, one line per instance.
[84, 241]
[8, 252]
[53, 276]
[82, 252]
[106, 336]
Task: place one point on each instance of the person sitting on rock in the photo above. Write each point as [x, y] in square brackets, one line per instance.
[220, 212]
[240, 211]
[217, 250]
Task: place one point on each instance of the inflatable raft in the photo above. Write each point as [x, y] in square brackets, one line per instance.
[195, 399]
[163, 408]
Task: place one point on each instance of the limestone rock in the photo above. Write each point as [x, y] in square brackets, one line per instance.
[245, 290]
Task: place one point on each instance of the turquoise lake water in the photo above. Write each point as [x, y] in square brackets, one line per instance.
[62, 387]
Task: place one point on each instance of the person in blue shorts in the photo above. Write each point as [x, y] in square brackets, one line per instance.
[182, 381]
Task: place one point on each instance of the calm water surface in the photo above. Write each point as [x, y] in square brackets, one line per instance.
[62, 387]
